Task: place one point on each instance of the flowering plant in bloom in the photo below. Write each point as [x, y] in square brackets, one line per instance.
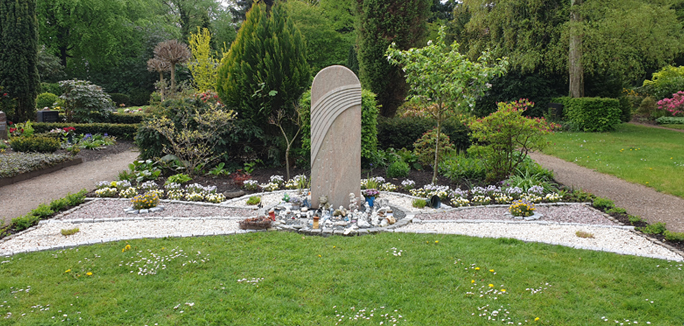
[277, 179]
[513, 191]
[460, 201]
[372, 183]
[297, 182]
[106, 192]
[215, 198]
[198, 188]
[388, 186]
[172, 186]
[104, 184]
[533, 198]
[501, 198]
[175, 194]
[145, 201]
[270, 186]
[408, 184]
[149, 185]
[552, 197]
[371, 193]
[121, 185]
[674, 105]
[538, 190]
[194, 196]
[481, 200]
[129, 192]
[522, 208]
[430, 190]
[252, 184]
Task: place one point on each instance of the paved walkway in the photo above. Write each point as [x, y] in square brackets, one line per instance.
[638, 200]
[20, 198]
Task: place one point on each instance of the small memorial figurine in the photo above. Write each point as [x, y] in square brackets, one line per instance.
[315, 222]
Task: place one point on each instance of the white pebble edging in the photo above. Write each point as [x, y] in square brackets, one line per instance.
[609, 239]
[47, 236]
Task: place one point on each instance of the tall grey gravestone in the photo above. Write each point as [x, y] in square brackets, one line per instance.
[335, 136]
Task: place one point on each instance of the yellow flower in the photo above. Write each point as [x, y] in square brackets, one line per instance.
[503, 290]
[67, 271]
[436, 241]
[491, 285]
[477, 268]
[89, 273]
[334, 247]
[319, 255]
[491, 270]
[472, 281]
[536, 319]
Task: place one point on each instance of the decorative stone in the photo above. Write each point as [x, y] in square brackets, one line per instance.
[335, 136]
[234, 194]
[143, 211]
[533, 217]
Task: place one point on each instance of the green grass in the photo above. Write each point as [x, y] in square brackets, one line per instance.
[677, 126]
[310, 280]
[649, 156]
[121, 110]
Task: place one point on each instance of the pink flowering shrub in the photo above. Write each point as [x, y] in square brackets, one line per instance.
[674, 105]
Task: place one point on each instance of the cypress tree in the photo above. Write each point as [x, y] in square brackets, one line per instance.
[19, 55]
[268, 55]
[381, 22]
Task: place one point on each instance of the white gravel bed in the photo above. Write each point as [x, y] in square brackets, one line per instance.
[268, 199]
[406, 202]
[615, 240]
[570, 213]
[48, 236]
[114, 208]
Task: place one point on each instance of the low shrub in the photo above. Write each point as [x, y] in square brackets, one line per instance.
[647, 106]
[398, 169]
[674, 236]
[401, 132]
[145, 201]
[424, 147]
[42, 211]
[670, 121]
[67, 232]
[254, 200]
[591, 113]
[119, 99]
[120, 131]
[13, 164]
[656, 228]
[463, 167]
[617, 210]
[664, 82]
[46, 100]
[24, 222]
[419, 203]
[603, 203]
[634, 219]
[122, 118]
[50, 88]
[84, 101]
[626, 108]
[35, 144]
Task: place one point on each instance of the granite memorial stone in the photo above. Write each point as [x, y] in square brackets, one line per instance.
[335, 136]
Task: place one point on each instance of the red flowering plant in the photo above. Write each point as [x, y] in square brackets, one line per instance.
[209, 97]
[674, 105]
[7, 103]
[505, 137]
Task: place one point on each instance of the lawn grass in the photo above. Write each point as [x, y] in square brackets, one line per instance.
[311, 280]
[673, 126]
[649, 156]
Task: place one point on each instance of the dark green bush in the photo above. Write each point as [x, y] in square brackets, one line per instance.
[656, 228]
[35, 144]
[124, 118]
[46, 100]
[24, 222]
[140, 97]
[626, 108]
[603, 203]
[119, 99]
[617, 210]
[42, 211]
[403, 132]
[120, 131]
[591, 113]
[634, 219]
[51, 88]
[674, 236]
[398, 169]
[463, 167]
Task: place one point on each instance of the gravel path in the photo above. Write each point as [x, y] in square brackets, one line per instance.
[22, 197]
[618, 240]
[636, 199]
[572, 213]
[114, 208]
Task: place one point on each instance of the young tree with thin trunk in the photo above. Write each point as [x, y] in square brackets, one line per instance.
[173, 53]
[439, 74]
[159, 66]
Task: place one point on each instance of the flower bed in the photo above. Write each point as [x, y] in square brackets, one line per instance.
[13, 164]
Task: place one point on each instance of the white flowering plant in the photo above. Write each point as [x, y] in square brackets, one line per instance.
[251, 185]
[129, 192]
[106, 192]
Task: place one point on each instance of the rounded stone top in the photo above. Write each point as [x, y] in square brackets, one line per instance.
[330, 78]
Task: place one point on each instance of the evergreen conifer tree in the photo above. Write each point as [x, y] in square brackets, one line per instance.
[268, 55]
[381, 22]
[19, 55]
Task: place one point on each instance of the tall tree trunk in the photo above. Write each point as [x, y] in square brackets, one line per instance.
[439, 131]
[575, 52]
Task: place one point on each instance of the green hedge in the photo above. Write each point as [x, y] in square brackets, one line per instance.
[35, 144]
[115, 118]
[591, 113]
[120, 131]
[403, 132]
[670, 121]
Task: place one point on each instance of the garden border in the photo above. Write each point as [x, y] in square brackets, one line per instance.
[37, 173]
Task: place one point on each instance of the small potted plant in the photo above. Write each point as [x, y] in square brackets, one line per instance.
[370, 195]
[523, 209]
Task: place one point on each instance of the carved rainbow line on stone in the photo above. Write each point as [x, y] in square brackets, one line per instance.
[327, 109]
